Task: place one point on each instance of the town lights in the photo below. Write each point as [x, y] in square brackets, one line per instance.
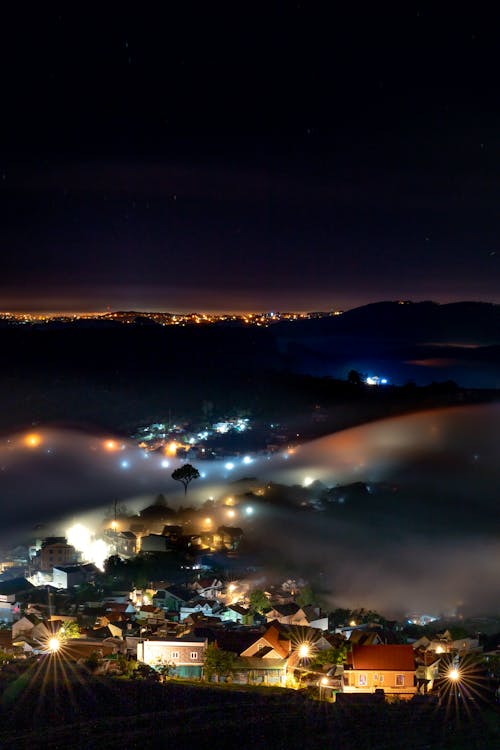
[111, 445]
[454, 674]
[307, 482]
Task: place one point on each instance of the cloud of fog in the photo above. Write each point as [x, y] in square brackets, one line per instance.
[429, 545]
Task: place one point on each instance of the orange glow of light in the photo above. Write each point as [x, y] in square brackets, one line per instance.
[111, 445]
[171, 449]
[32, 440]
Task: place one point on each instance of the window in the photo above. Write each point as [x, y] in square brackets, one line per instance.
[375, 676]
[194, 654]
[362, 679]
[175, 654]
[381, 678]
[400, 680]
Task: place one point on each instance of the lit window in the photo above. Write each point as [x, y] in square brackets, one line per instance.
[194, 654]
[175, 654]
[362, 679]
[400, 680]
[381, 678]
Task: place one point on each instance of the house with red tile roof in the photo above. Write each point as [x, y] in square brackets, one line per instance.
[390, 668]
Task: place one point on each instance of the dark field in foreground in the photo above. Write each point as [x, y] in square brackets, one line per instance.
[89, 712]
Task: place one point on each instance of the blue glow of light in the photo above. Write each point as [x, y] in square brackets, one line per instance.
[124, 464]
[229, 466]
[165, 464]
[249, 510]
[203, 475]
[247, 460]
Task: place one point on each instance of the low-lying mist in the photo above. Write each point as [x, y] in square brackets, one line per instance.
[422, 533]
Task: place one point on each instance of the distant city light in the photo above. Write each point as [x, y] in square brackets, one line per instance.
[111, 445]
[229, 465]
[375, 380]
[247, 460]
[307, 481]
[124, 464]
[165, 464]
[231, 513]
[33, 440]
[249, 510]
[203, 475]
[454, 674]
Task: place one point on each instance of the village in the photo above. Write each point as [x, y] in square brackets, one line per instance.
[180, 598]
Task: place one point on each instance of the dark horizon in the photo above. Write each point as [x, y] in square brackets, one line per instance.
[210, 160]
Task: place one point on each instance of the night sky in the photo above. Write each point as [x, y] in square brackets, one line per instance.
[247, 156]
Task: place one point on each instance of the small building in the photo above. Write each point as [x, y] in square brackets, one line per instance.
[186, 655]
[55, 551]
[389, 668]
[10, 592]
[66, 576]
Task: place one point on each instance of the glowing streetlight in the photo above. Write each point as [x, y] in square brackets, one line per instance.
[304, 651]
[114, 525]
[324, 681]
[111, 445]
[171, 449]
[231, 513]
[454, 674]
[54, 645]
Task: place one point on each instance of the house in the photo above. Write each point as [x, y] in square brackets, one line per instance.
[175, 597]
[252, 670]
[237, 613]
[285, 614]
[10, 592]
[427, 670]
[273, 644]
[155, 543]
[207, 607]
[55, 550]
[186, 655]
[66, 576]
[389, 668]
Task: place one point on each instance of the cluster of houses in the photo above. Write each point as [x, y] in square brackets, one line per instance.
[174, 625]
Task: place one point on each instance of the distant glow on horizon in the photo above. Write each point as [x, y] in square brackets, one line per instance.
[307, 481]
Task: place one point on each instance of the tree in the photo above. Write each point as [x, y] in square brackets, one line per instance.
[354, 377]
[69, 630]
[185, 474]
[258, 601]
[305, 596]
[217, 662]
[334, 655]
